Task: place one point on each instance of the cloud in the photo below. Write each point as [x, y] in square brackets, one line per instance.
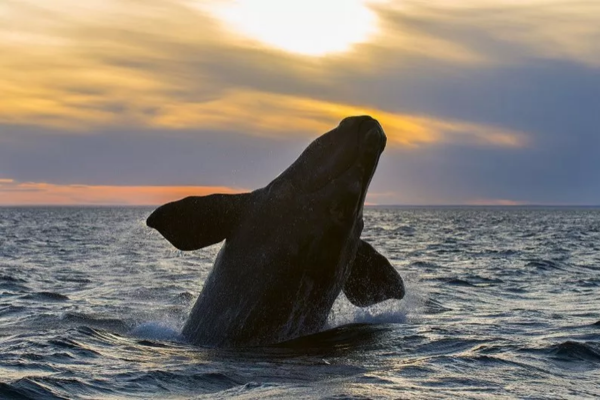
[397, 198]
[41, 193]
[494, 32]
[495, 202]
[487, 99]
[279, 116]
[104, 65]
[146, 157]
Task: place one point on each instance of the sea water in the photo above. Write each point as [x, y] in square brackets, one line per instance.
[501, 302]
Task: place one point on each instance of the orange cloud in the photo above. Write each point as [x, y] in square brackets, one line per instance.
[278, 115]
[407, 198]
[40, 193]
[98, 65]
[496, 202]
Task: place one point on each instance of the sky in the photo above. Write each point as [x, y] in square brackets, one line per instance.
[485, 102]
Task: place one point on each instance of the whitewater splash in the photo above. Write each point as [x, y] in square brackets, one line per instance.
[388, 312]
[342, 313]
[157, 330]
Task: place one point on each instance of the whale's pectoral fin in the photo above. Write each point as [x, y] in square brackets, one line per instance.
[372, 278]
[196, 222]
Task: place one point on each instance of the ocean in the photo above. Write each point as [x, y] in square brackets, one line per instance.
[501, 303]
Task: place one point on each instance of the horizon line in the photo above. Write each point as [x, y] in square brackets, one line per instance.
[124, 205]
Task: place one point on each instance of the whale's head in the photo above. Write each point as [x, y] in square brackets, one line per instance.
[338, 166]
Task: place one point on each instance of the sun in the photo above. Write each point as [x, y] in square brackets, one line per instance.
[308, 27]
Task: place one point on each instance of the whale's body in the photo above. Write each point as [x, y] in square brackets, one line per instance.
[290, 247]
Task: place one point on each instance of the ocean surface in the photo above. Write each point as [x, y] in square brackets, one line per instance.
[501, 302]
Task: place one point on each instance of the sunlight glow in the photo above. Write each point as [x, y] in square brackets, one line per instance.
[308, 27]
[42, 193]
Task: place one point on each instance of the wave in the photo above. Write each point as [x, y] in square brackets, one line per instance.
[457, 282]
[55, 388]
[544, 265]
[46, 296]
[403, 230]
[576, 351]
[424, 266]
[26, 389]
[72, 346]
[570, 351]
[112, 324]
[196, 383]
[9, 278]
[10, 283]
[433, 306]
[449, 345]
[346, 337]
[468, 281]
[11, 309]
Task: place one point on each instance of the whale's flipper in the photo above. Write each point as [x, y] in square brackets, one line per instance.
[196, 222]
[372, 278]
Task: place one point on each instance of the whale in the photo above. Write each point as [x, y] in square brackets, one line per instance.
[290, 248]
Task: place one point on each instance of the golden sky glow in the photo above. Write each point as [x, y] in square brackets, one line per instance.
[275, 71]
[79, 66]
[41, 193]
[279, 116]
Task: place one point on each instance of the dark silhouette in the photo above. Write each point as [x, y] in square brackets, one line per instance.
[290, 247]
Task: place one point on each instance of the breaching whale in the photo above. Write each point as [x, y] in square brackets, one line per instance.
[290, 247]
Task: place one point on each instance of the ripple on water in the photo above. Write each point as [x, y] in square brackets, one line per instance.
[544, 265]
[45, 296]
[29, 389]
[500, 302]
[570, 352]
[113, 324]
[576, 351]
